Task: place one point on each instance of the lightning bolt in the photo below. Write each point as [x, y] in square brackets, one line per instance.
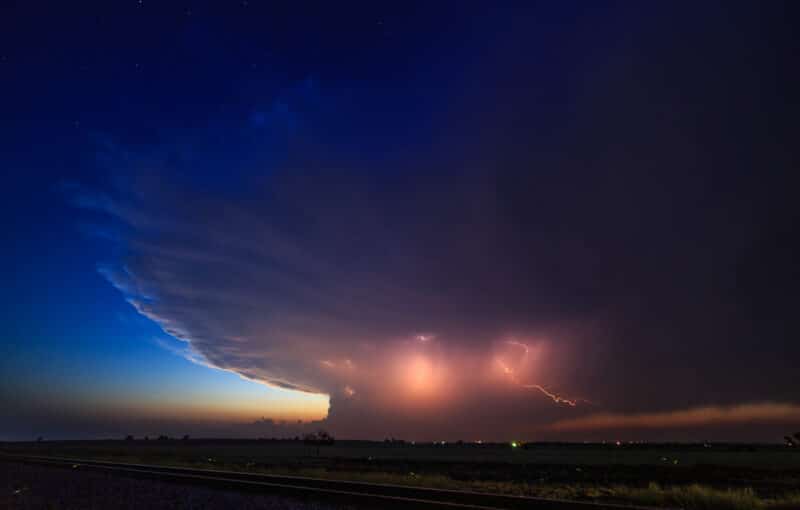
[507, 370]
[524, 347]
[558, 399]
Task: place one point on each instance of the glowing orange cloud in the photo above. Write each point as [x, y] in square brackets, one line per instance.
[764, 412]
[420, 374]
[422, 378]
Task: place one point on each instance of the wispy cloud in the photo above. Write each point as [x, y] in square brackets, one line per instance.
[755, 413]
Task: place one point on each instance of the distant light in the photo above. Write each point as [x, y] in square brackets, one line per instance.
[514, 444]
[618, 443]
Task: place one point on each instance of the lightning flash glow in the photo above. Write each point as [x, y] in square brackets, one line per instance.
[421, 372]
[511, 374]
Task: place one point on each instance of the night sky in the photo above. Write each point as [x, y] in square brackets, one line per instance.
[429, 221]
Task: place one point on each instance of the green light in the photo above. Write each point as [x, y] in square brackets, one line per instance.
[514, 444]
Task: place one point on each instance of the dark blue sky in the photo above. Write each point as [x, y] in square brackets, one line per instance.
[376, 205]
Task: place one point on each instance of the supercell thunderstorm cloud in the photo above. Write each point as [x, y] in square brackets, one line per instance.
[395, 298]
[439, 305]
[562, 223]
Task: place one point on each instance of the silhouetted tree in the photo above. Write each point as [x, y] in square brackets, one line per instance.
[321, 438]
[186, 437]
[129, 438]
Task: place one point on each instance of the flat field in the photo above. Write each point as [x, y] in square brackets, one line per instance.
[26, 487]
[734, 476]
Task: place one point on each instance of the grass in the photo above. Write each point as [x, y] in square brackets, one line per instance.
[691, 497]
[687, 497]
[722, 477]
[699, 497]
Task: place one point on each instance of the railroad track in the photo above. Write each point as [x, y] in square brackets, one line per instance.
[371, 495]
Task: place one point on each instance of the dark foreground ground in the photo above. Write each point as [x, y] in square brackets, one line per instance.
[700, 476]
[29, 487]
